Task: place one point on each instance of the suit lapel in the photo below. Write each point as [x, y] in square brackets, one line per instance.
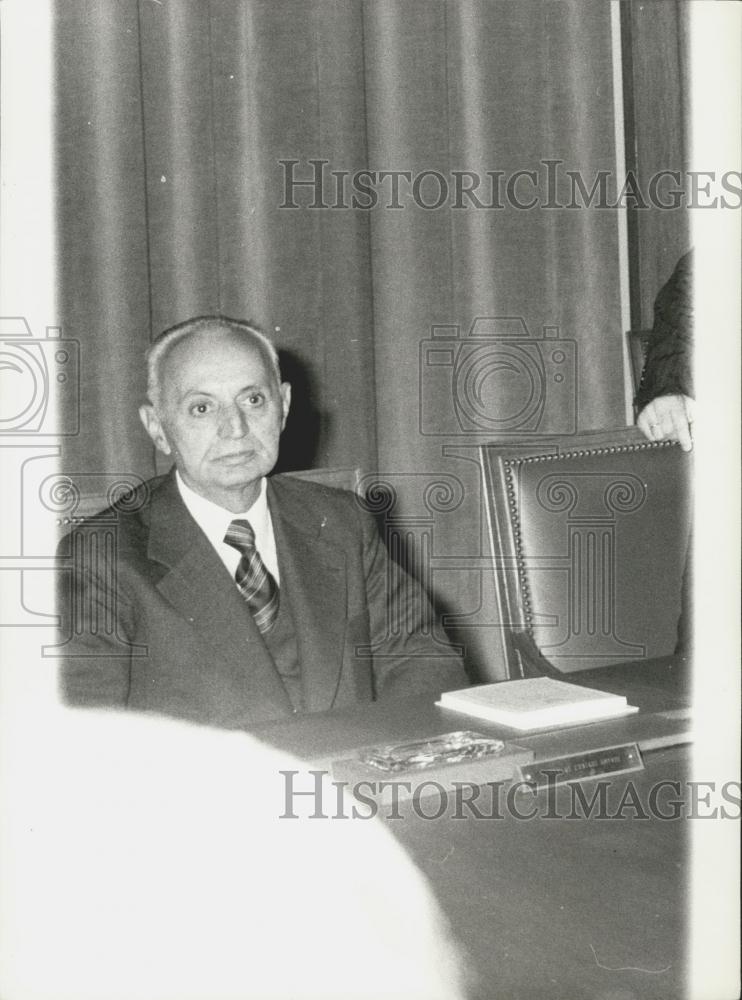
[313, 572]
[197, 584]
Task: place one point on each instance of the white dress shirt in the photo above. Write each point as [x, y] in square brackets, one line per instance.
[214, 520]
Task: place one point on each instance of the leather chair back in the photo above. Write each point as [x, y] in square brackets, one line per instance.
[590, 537]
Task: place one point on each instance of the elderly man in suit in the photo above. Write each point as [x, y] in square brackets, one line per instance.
[237, 599]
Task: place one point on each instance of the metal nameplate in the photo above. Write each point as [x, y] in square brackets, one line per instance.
[583, 766]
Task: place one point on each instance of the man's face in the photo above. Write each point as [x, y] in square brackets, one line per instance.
[220, 415]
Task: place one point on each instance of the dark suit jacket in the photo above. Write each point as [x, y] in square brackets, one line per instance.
[154, 621]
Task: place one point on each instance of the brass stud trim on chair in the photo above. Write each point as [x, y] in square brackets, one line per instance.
[515, 528]
[612, 450]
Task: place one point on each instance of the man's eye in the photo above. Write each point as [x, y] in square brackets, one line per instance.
[255, 399]
[199, 409]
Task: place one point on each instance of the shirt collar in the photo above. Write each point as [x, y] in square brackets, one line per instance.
[214, 520]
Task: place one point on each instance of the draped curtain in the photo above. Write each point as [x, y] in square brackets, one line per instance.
[656, 48]
[181, 127]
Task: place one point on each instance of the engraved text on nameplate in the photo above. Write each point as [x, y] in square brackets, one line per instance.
[584, 765]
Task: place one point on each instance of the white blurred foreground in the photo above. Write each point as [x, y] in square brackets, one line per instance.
[144, 858]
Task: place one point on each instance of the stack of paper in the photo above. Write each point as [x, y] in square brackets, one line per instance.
[535, 703]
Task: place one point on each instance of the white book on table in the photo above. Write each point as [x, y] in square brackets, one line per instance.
[535, 703]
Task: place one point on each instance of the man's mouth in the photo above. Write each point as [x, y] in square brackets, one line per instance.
[236, 457]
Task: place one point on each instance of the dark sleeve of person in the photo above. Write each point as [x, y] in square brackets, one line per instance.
[668, 367]
[95, 620]
[411, 654]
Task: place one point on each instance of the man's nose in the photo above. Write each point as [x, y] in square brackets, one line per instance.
[234, 422]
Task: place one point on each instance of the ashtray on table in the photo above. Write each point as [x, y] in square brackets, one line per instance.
[450, 748]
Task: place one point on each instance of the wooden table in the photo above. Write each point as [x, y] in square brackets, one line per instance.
[554, 907]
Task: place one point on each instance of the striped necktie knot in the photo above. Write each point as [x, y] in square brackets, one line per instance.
[254, 581]
[240, 536]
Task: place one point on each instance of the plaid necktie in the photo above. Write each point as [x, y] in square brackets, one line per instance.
[254, 581]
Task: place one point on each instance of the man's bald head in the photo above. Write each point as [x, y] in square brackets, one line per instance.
[160, 349]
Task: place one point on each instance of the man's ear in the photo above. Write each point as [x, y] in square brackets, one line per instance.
[153, 427]
[286, 401]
